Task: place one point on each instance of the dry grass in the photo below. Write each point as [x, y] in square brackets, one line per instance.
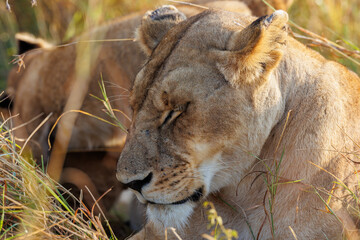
[32, 206]
[337, 25]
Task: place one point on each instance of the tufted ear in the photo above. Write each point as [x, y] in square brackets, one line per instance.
[252, 53]
[155, 24]
[26, 42]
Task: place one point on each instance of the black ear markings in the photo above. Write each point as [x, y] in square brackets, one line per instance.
[264, 34]
[155, 24]
[252, 53]
[268, 20]
[166, 12]
[26, 46]
[6, 101]
[27, 42]
[258, 21]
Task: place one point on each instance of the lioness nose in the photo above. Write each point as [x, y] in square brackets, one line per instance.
[138, 184]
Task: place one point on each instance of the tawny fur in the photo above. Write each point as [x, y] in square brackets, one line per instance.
[215, 104]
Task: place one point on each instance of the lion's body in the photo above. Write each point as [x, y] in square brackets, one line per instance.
[48, 80]
[218, 108]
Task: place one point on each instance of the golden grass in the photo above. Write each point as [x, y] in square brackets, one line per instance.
[32, 206]
[336, 21]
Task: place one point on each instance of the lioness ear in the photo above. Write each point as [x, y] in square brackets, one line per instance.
[26, 42]
[155, 25]
[253, 52]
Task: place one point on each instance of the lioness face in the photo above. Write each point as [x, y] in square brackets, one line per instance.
[171, 146]
[189, 112]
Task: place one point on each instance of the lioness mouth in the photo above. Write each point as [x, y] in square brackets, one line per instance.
[195, 197]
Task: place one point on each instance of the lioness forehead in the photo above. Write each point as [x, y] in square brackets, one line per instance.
[187, 42]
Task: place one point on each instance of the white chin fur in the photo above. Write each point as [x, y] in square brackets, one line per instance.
[165, 216]
[176, 216]
[208, 170]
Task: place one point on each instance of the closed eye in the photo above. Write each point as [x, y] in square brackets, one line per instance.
[168, 117]
[171, 115]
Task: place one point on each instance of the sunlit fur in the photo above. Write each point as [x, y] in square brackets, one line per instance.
[176, 216]
[233, 90]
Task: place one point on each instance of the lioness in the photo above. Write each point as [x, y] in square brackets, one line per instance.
[226, 108]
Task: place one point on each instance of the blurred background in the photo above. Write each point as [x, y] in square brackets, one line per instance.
[58, 21]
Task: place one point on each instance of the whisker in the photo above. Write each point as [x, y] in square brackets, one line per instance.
[118, 95]
[114, 85]
[119, 99]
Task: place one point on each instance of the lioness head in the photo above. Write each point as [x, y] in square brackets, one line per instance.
[203, 106]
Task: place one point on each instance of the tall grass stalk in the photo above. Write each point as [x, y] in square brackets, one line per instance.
[32, 206]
